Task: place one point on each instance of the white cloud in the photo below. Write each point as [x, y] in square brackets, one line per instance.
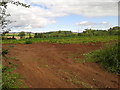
[38, 17]
[85, 23]
[34, 16]
[89, 8]
[103, 24]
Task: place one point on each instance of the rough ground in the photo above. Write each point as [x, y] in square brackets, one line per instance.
[44, 65]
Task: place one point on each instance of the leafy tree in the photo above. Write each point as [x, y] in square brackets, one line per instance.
[21, 34]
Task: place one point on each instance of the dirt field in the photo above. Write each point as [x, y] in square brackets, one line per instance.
[44, 65]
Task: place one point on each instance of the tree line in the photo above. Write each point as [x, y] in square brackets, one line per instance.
[87, 32]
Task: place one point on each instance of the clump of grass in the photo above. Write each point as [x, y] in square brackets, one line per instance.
[28, 42]
[107, 57]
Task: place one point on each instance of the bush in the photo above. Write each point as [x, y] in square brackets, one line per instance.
[107, 57]
[28, 42]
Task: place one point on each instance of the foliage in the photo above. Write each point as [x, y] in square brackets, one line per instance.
[9, 79]
[21, 34]
[60, 34]
[114, 31]
[29, 34]
[28, 42]
[54, 34]
[91, 32]
[38, 35]
[65, 40]
[107, 57]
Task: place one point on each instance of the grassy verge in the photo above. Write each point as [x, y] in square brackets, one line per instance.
[64, 40]
[10, 79]
[107, 57]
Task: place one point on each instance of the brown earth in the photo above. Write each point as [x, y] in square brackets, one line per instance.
[44, 65]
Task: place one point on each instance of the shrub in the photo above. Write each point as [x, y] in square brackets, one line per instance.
[28, 42]
[107, 57]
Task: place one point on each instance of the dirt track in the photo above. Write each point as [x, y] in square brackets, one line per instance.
[45, 65]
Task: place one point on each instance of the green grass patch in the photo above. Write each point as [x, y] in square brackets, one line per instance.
[10, 79]
[28, 42]
[107, 57]
[65, 40]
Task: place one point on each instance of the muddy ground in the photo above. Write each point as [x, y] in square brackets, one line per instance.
[45, 65]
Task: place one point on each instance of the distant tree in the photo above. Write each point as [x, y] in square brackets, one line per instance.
[35, 36]
[13, 36]
[114, 30]
[79, 34]
[38, 35]
[29, 34]
[21, 34]
[59, 31]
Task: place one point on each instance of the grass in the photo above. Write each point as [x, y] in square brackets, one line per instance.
[10, 79]
[107, 57]
[28, 42]
[64, 40]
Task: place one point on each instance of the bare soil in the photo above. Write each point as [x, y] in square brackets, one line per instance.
[45, 65]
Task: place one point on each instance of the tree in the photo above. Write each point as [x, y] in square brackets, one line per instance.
[21, 34]
[29, 33]
[3, 15]
[114, 30]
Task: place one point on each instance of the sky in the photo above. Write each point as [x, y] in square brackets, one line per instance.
[68, 15]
